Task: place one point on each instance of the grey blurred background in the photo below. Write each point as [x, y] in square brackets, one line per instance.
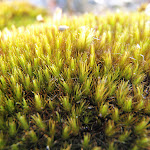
[82, 6]
[95, 6]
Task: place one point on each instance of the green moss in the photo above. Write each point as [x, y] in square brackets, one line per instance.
[84, 87]
[18, 14]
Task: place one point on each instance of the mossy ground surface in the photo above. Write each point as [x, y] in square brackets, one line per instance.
[18, 14]
[87, 87]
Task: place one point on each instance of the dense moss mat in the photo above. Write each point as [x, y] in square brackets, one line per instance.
[18, 14]
[87, 87]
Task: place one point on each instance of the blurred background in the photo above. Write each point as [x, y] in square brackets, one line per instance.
[82, 6]
[26, 12]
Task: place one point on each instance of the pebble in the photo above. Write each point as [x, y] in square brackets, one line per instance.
[63, 28]
[47, 148]
[39, 18]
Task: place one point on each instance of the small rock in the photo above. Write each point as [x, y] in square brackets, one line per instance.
[39, 18]
[47, 148]
[62, 28]
[90, 107]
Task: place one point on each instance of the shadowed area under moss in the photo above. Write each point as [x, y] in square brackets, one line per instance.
[84, 87]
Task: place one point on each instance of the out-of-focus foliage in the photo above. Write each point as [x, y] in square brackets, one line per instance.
[18, 14]
[142, 7]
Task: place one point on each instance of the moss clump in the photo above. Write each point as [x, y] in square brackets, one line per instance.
[85, 87]
[18, 14]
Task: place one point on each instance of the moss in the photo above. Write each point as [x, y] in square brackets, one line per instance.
[84, 87]
[18, 14]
